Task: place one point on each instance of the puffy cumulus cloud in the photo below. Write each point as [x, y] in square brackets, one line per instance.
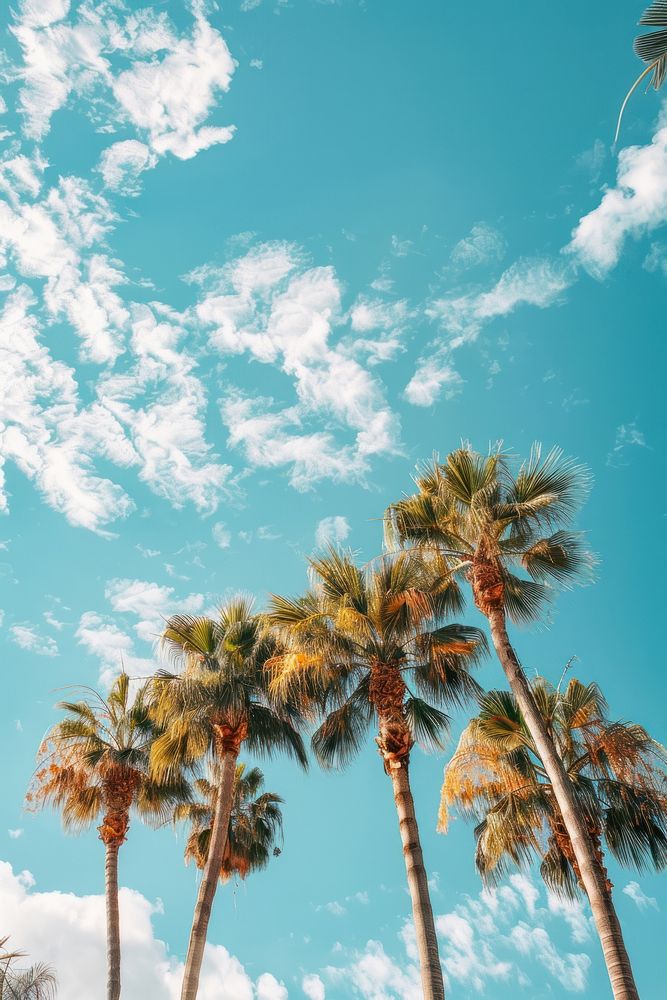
[161, 405]
[482, 245]
[168, 99]
[313, 987]
[102, 638]
[44, 430]
[27, 637]
[123, 162]
[268, 988]
[57, 927]
[374, 975]
[270, 304]
[639, 897]
[331, 530]
[492, 938]
[150, 603]
[570, 969]
[637, 204]
[57, 238]
[526, 282]
[137, 67]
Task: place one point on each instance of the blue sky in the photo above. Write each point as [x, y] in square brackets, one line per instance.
[256, 261]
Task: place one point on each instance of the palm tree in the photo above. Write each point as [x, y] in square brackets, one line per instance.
[254, 825]
[498, 528]
[35, 983]
[94, 764]
[358, 640]
[219, 702]
[652, 49]
[497, 776]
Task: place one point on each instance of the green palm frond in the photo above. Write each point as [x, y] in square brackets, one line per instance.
[618, 781]
[427, 724]
[651, 49]
[342, 734]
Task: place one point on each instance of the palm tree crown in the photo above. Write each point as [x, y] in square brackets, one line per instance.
[254, 825]
[95, 763]
[222, 698]
[503, 529]
[373, 645]
[497, 776]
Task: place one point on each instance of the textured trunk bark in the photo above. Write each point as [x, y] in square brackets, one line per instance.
[422, 912]
[113, 921]
[211, 874]
[593, 878]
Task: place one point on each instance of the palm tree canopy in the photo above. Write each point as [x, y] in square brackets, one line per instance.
[505, 528]
[363, 643]
[222, 696]
[95, 761]
[255, 823]
[616, 769]
[38, 982]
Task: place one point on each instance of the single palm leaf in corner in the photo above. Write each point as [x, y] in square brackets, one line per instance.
[651, 49]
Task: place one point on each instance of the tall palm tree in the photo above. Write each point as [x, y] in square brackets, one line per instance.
[616, 769]
[652, 49]
[255, 823]
[220, 702]
[94, 764]
[375, 645]
[501, 529]
[38, 982]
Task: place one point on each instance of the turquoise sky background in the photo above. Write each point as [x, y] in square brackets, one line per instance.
[411, 175]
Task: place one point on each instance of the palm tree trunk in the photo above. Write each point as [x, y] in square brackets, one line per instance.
[209, 882]
[422, 912]
[594, 880]
[113, 921]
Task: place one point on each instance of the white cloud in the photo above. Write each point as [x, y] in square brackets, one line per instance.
[573, 912]
[570, 969]
[526, 282]
[313, 987]
[151, 603]
[627, 436]
[123, 162]
[331, 530]
[166, 92]
[168, 99]
[103, 639]
[483, 245]
[268, 988]
[15, 834]
[54, 926]
[221, 535]
[635, 206]
[270, 304]
[639, 897]
[28, 638]
[374, 975]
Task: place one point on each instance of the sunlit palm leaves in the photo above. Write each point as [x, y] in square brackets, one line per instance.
[617, 771]
[390, 613]
[224, 686]
[101, 743]
[255, 823]
[474, 504]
